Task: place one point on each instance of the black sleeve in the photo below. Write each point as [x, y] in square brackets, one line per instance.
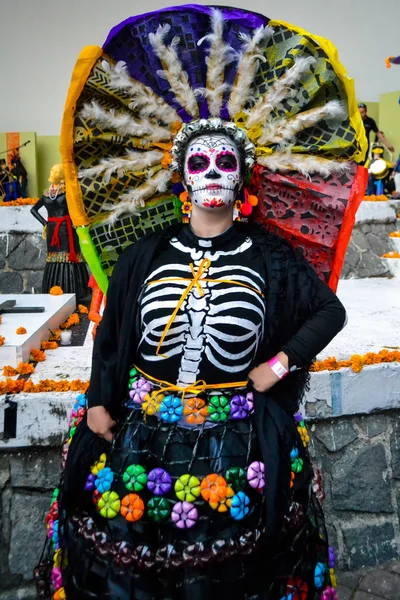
[35, 211]
[327, 319]
[374, 126]
[103, 385]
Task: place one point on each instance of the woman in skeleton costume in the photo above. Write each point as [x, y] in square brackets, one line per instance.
[188, 476]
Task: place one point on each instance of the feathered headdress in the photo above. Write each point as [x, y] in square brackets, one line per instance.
[277, 91]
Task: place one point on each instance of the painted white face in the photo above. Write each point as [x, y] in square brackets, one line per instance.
[212, 171]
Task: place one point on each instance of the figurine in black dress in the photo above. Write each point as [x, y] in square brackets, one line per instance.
[65, 265]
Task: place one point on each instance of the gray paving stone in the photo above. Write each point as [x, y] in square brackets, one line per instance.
[344, 593]
[360, 595]
[382, 583]
[350, 579]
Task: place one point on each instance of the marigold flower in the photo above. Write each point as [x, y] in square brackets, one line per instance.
[83, 309]
[73, 319]
[25, 368]
[2, 340]
[21, 331]
[391, 255]
[46, 345]
[56, 290]
[54, 335]
[37, 355]
[9, 371]
[1, 319]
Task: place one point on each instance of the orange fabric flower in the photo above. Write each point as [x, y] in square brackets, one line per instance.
[2, 340]
[25, 368]
[37, 355]
[56, 290]
[9, 371]
[46, 345]
[132, 507]
[213, 488]
[195, 411]
[21, 331]
[83, 309]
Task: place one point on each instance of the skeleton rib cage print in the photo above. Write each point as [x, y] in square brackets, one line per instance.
[216, 330]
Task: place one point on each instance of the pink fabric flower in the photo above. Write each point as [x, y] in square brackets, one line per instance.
[140, 389]
[184, 514]
[329, 593]
[56, 577]
[250, 401]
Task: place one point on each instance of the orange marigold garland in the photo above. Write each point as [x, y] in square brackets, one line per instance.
[11, 386]
[20, 202]
[56, 290]
[37, 355]
[374, 198]
[394, 234]
[356, 362]
[83, 309]
[391, 255]
[21, 331]
[2, 340]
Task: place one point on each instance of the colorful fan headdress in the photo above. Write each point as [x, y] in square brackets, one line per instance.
[279, 92]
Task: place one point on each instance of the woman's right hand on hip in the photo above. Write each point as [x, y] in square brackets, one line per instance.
[100, 422]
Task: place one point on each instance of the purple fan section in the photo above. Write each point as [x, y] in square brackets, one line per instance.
[395, 60]
[129, 42]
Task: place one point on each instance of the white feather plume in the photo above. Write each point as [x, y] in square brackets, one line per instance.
[247, 68]
[278, 92]
[304, 164]
[173, 70]
[281, 130]
[133, 162]
[133, 200]
[144, 100]
[123, 123]
[220, 55]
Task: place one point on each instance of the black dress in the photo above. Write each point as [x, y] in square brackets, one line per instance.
[65, 265]
[206, 490]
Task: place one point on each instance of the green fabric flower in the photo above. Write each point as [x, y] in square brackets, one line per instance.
[219, 408]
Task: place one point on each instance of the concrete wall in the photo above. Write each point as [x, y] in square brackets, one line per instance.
[22, 251]
[369, 241]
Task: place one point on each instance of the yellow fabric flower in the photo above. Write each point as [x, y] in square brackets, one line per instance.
[99, 465]
[151, 402]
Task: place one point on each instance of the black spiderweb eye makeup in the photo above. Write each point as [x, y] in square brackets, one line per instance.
[198, 163]
[226, 161]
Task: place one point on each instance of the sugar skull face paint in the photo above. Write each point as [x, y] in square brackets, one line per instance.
[212, 171]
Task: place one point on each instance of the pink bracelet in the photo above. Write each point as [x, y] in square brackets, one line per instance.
[278, 368]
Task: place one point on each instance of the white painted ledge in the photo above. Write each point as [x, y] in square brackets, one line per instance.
[375, 212]
[19, 218]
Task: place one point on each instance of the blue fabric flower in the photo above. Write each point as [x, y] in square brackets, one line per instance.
[294, 453]
[54, 537]
[171, 409]
[319, 575]
[80, 402]
[104, 480]
[240, 506]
